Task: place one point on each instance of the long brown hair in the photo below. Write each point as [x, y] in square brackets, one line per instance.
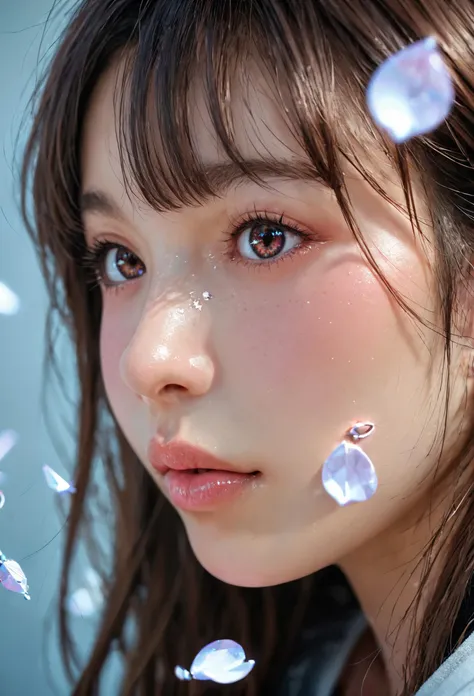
[318, 56]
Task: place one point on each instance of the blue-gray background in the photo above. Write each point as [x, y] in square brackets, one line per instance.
[30, 526]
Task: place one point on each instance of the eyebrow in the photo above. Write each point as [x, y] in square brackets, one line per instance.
[220, 177]
[100, 203]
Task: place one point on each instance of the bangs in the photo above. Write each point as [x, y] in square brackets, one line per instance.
[216, 51]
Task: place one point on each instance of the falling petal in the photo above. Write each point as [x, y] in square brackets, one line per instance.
[56, 482]
[8, 440]
[9, 302]
[219, 655]
[182, 674]
[12, 576]
[412, 92]
[81, 603]
[233, 675]
[87, 600]
[222, 661]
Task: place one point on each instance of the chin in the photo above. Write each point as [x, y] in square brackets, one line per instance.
[252, 563]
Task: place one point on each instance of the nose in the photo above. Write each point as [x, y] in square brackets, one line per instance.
[167, 355]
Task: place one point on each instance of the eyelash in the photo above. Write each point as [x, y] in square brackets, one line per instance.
[264, 218]
[95, 255]
[93, 258]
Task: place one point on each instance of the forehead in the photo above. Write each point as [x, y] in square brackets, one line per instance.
[260, 128]
[260, 131]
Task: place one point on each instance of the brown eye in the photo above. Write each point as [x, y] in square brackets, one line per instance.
[263, 241]
[121, 264]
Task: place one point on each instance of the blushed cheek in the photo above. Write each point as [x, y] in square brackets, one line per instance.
[324, 352]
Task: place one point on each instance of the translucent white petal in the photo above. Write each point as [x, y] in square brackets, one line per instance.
[12, 577]
[56, 482]
[87, 600]
[217, 656]
[9, 302]
[8, 440]
[182, 673]
[233, 675]
[83, 603]
[411, 93]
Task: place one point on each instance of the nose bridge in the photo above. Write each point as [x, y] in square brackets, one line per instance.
[169, 348]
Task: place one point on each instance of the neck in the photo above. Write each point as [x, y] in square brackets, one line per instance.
[385, 576]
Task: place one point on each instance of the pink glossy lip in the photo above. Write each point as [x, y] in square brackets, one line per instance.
[194, 479]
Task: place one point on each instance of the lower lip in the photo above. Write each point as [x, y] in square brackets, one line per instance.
[206, 490]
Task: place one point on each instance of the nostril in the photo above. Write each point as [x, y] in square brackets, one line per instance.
[173, 388]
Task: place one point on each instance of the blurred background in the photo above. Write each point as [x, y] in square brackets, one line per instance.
[30, 523]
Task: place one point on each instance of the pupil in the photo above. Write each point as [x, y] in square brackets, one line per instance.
[267, 238]
[267, 241]
[128, 263]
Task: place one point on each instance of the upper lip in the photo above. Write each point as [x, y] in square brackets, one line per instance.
[181, 456]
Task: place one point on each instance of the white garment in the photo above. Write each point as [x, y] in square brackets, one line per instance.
[455, 677]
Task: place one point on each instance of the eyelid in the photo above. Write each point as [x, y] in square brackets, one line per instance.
[111, 237]
[260, 216]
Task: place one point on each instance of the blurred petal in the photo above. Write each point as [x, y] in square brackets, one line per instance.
[8, 440]
[9, 302]
[411, 93]
[87, 600]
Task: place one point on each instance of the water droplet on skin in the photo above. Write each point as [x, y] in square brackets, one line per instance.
[207, 295]
[197, 305]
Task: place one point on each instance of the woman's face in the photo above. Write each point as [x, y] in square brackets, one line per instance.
[252, 328]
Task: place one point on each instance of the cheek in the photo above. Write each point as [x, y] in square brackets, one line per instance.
[328, 350]
[117, 328]
[112, 344]
[320, 339]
